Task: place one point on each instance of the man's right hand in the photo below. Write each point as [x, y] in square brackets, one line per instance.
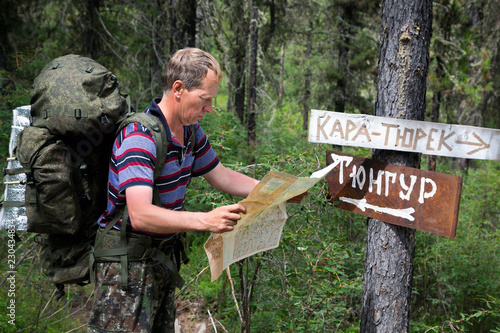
[223, 219]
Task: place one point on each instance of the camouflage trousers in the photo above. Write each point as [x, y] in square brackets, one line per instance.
[146, 306]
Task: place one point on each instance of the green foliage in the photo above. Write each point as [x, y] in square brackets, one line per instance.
[15, 92]
[460, 66]
[477, 320]
[460, 276]
[35, 305]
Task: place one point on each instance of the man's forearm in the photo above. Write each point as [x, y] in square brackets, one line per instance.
[230, 181]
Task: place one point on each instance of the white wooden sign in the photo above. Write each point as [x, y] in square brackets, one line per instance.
[429, 138]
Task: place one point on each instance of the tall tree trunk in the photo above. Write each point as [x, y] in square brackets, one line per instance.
[282, 69]
[238, 56]
[190, 23]
[436, 105]
[402, 73]
[464, 117]
[267, 34]
[174, 32]
[495, 104]
[239, 84]
[90, 44]
[9, 20]
[445, 19]
[158, 50]
[307, 82]
[252, 88]
[343, 58]
[183, 24]
[340, 89]
[272, 13]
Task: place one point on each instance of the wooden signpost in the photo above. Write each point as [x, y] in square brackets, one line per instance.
[404, 135]
[394, 194]
[399, 195]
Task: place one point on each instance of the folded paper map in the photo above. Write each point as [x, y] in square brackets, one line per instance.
[260, 228]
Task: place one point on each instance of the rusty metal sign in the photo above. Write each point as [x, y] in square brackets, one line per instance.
[404, 135]
[404, 196]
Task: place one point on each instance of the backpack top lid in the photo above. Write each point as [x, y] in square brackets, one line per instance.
[74, 95]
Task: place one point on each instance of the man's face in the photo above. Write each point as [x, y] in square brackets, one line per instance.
[197, 102]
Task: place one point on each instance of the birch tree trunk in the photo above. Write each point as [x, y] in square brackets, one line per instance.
[402, 72]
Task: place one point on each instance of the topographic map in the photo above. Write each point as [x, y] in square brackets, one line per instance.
[260, 228]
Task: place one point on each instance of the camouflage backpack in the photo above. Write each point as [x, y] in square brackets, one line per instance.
[76, 110]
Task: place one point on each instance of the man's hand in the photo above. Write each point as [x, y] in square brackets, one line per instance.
[223, 219]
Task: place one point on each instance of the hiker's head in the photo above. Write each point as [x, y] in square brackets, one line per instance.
[190, 65]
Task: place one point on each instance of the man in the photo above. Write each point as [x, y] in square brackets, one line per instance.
[191, 81]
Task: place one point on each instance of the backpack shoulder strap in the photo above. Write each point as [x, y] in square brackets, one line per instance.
[154, 125]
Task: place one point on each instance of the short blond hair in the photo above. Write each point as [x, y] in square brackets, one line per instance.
[190, 65]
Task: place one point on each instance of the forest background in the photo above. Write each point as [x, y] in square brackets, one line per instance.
[280, 59]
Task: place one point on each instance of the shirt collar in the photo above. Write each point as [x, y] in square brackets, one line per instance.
[155, 110]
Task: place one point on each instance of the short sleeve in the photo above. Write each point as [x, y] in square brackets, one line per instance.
[205, 157]
[134, 157]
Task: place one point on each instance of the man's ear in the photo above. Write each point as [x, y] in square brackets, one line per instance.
[177, 88]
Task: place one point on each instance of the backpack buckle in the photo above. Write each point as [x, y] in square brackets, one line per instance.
[30, 179]
[105, 121]
[78, 113]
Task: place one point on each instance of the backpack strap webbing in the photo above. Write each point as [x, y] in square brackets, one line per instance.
[155, 127]
[29, 180]
[131, 249]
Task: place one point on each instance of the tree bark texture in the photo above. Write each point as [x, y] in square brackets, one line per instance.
[282, 70]
[340, 93]
[160, 32]
[307, 82]
[444, 21]
[238, 56]
[252, 88]
[183, 24]
[402, 72]
[90, 43]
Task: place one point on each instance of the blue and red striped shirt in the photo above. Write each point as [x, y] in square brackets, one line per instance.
[133, 161]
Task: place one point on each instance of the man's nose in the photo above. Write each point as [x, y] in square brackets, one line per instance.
[208, 108]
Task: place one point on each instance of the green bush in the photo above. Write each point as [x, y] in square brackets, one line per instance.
[36, 306]
[460, 278]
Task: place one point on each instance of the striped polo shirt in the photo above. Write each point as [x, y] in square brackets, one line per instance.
[133, 161]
